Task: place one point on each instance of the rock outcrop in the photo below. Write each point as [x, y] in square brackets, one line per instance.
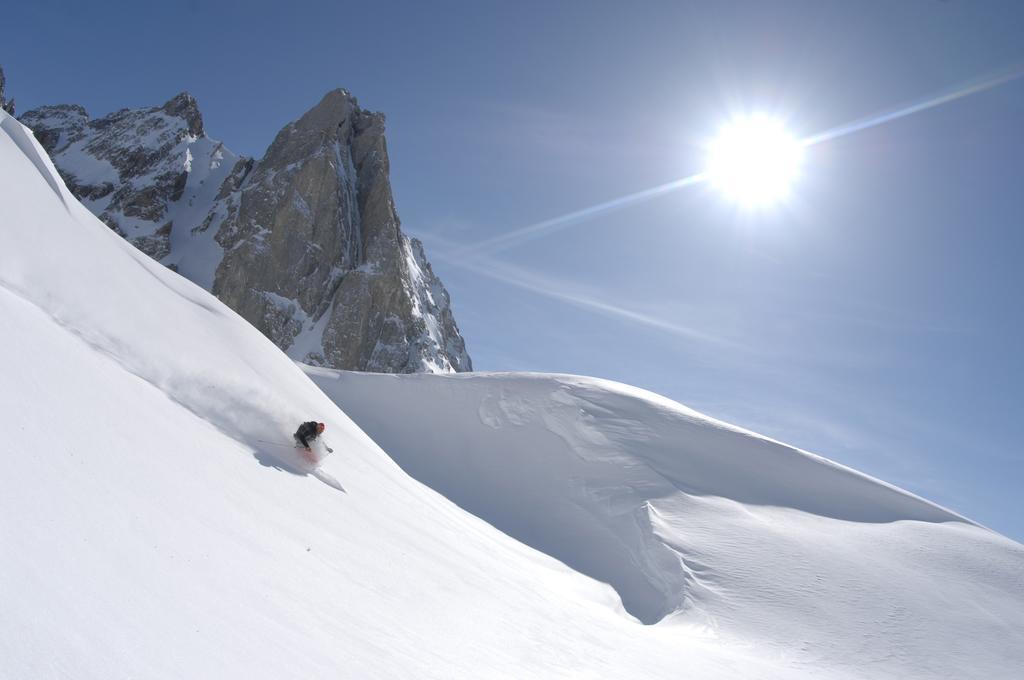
[130, 167]
[6, 105]
[304, 243]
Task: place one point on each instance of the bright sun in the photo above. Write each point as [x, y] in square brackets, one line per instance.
[754, 160]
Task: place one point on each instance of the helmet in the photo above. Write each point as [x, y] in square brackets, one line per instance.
[320, 427]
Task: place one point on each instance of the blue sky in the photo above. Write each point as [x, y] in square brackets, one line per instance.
[875, 318]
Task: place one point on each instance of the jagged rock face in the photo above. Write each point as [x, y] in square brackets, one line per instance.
[6, 105]
[295, 232]
[314, 247]
[304, 243]
[130, 167]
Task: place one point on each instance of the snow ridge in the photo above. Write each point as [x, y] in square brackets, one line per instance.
[699, 524]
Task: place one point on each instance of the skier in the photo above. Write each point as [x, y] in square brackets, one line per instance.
[306, 433]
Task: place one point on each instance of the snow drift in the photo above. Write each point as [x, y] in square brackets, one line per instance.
[712, 526]
[155, 522]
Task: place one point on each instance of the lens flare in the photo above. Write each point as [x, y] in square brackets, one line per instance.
[754, 160]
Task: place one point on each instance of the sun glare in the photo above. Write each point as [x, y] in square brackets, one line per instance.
[754, 160]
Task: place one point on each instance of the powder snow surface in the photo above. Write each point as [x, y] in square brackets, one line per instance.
[156, 523]
[706, 527]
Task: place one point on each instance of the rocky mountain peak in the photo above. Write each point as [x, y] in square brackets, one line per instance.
[315, 257]
[57, 126]
[329, 121]
[186, 107]
[336, 106]
[305, 243]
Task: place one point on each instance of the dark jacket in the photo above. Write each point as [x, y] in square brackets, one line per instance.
[306, 433]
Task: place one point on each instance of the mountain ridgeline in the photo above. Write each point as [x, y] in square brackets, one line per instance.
[304, 243]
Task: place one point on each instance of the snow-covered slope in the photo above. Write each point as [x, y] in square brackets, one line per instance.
[155, 523]
[713, 527]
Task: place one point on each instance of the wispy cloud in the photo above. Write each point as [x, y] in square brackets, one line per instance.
[532, 231]
[980, 85]
[566, 292]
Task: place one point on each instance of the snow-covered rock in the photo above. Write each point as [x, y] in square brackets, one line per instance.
[304, 243]
[131, 167]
